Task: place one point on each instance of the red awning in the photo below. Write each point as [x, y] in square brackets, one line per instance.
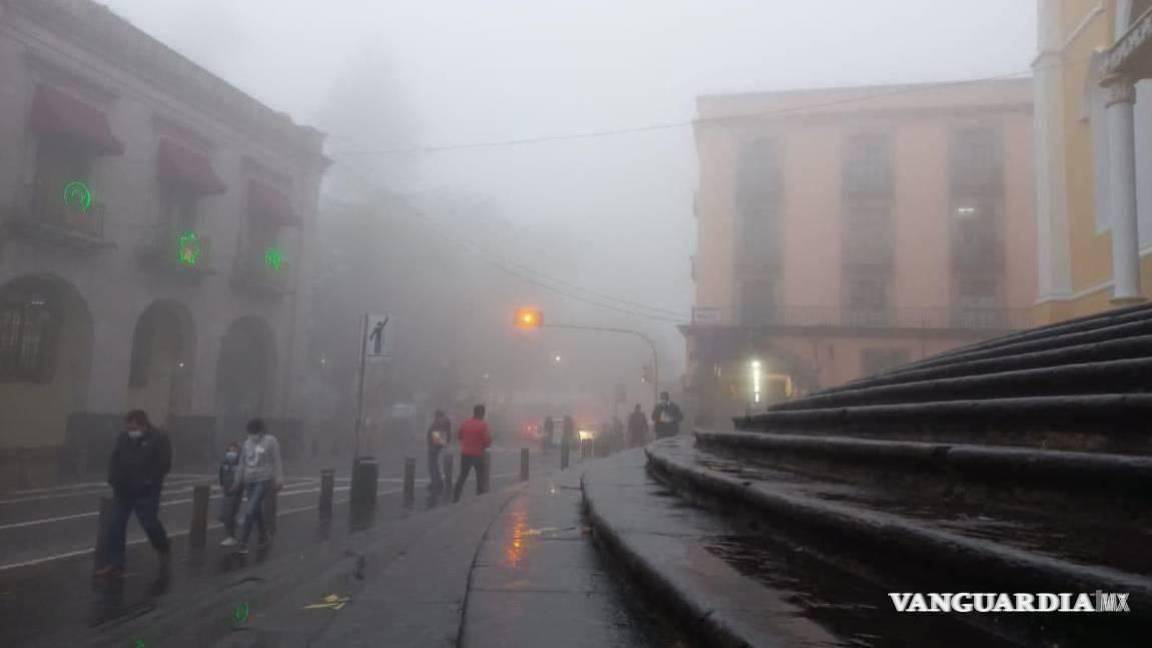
[183, 166]
[55, 112]
[269, 202]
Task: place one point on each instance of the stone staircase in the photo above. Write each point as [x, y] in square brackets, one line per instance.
[1021, 464]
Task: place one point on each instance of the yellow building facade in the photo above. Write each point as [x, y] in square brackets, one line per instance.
[1093, 123]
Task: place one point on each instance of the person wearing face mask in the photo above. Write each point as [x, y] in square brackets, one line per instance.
[666, 417]
[140, 459]
[230, 497]
[260, 471]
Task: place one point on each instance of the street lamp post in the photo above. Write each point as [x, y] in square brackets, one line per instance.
[608, 329]
[530, 317]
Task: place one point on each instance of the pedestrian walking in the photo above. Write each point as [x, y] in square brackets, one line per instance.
[474, 441]
[261, 471]
[546, 439]
[666, 416]
[229, 494]
[439, 436]
[637, 428]
[140, 460]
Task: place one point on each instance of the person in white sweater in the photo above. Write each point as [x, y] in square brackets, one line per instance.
[260, 470]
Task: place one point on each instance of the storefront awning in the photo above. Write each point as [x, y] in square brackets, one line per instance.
[180, 165]
[266, 201]
[57, 113]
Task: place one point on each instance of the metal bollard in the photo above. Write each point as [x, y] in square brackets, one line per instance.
[327, 485]
[198, 530]
[101, 552]
[449, 462]
[365, 474]
[482, 473]
[565, 450]
[523, 464]
[409, 481]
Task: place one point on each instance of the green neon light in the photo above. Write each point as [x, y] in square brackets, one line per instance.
[274, 258]
[188, 248]
[77, 195]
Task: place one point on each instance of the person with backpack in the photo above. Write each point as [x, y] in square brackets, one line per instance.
[261, 472]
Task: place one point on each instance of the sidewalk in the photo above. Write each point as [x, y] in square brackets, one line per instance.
[513, 568]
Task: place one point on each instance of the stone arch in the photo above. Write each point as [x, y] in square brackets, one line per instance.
[46, 340]
[245, 373]
[162, 367]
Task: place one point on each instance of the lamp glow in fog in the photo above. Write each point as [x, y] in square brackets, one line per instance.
[755, 381]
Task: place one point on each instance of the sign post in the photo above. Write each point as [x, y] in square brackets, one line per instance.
[374, 342]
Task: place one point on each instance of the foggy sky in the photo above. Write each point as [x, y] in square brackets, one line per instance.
[506, 69]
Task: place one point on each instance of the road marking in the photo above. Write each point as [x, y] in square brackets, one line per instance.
[179, 534]
[107, 490]
[77, 516]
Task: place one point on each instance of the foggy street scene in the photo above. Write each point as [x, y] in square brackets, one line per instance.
[612, 324]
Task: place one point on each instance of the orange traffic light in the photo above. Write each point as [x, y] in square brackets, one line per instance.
[528, 318]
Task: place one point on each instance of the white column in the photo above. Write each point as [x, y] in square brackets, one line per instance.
[1122, 189]
[1053, 260]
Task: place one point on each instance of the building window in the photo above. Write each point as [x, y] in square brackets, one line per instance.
[758, 303]
[976, 160]
[867, 165]
[178, 209]
[141, 353]
[27, 334]
[874, 361]
[58, 163]
[758, 201]
[866, 302]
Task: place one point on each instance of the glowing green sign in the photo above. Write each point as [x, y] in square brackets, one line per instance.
[77, 195]
[274, 258]
[188, 248]
[240, 614]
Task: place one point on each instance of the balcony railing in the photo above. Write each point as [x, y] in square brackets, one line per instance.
[252, 273]
[41, 213]
[955, 317]
[178, 253]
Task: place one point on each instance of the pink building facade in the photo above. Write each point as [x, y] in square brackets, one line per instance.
[844, 232]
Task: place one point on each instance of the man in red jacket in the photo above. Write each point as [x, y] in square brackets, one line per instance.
[474, 440]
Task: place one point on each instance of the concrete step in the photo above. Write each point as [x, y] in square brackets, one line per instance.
[910, 539]
[1098, 422]
[1053, 334]
[736, 587]
[1128, 375]
[1113, 349]
[1119, 481]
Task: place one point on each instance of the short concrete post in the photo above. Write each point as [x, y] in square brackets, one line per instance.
[327, 486]
[565, 450]
[523, 464]
[101, 553]
[198, 530]
[409, 481]
[482, 473]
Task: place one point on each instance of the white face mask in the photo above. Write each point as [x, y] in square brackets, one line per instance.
[230, 456]
[135, 434]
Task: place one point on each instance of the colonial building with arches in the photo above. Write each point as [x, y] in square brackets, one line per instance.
[155, 225]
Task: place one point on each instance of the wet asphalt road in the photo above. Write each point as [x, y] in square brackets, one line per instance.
[47, 535]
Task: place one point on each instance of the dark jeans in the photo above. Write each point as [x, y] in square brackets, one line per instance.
[147, 509]
[229, 507]
[254, 509]
[435, 478]
[467, 462]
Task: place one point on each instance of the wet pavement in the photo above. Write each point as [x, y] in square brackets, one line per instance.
[47, 595]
